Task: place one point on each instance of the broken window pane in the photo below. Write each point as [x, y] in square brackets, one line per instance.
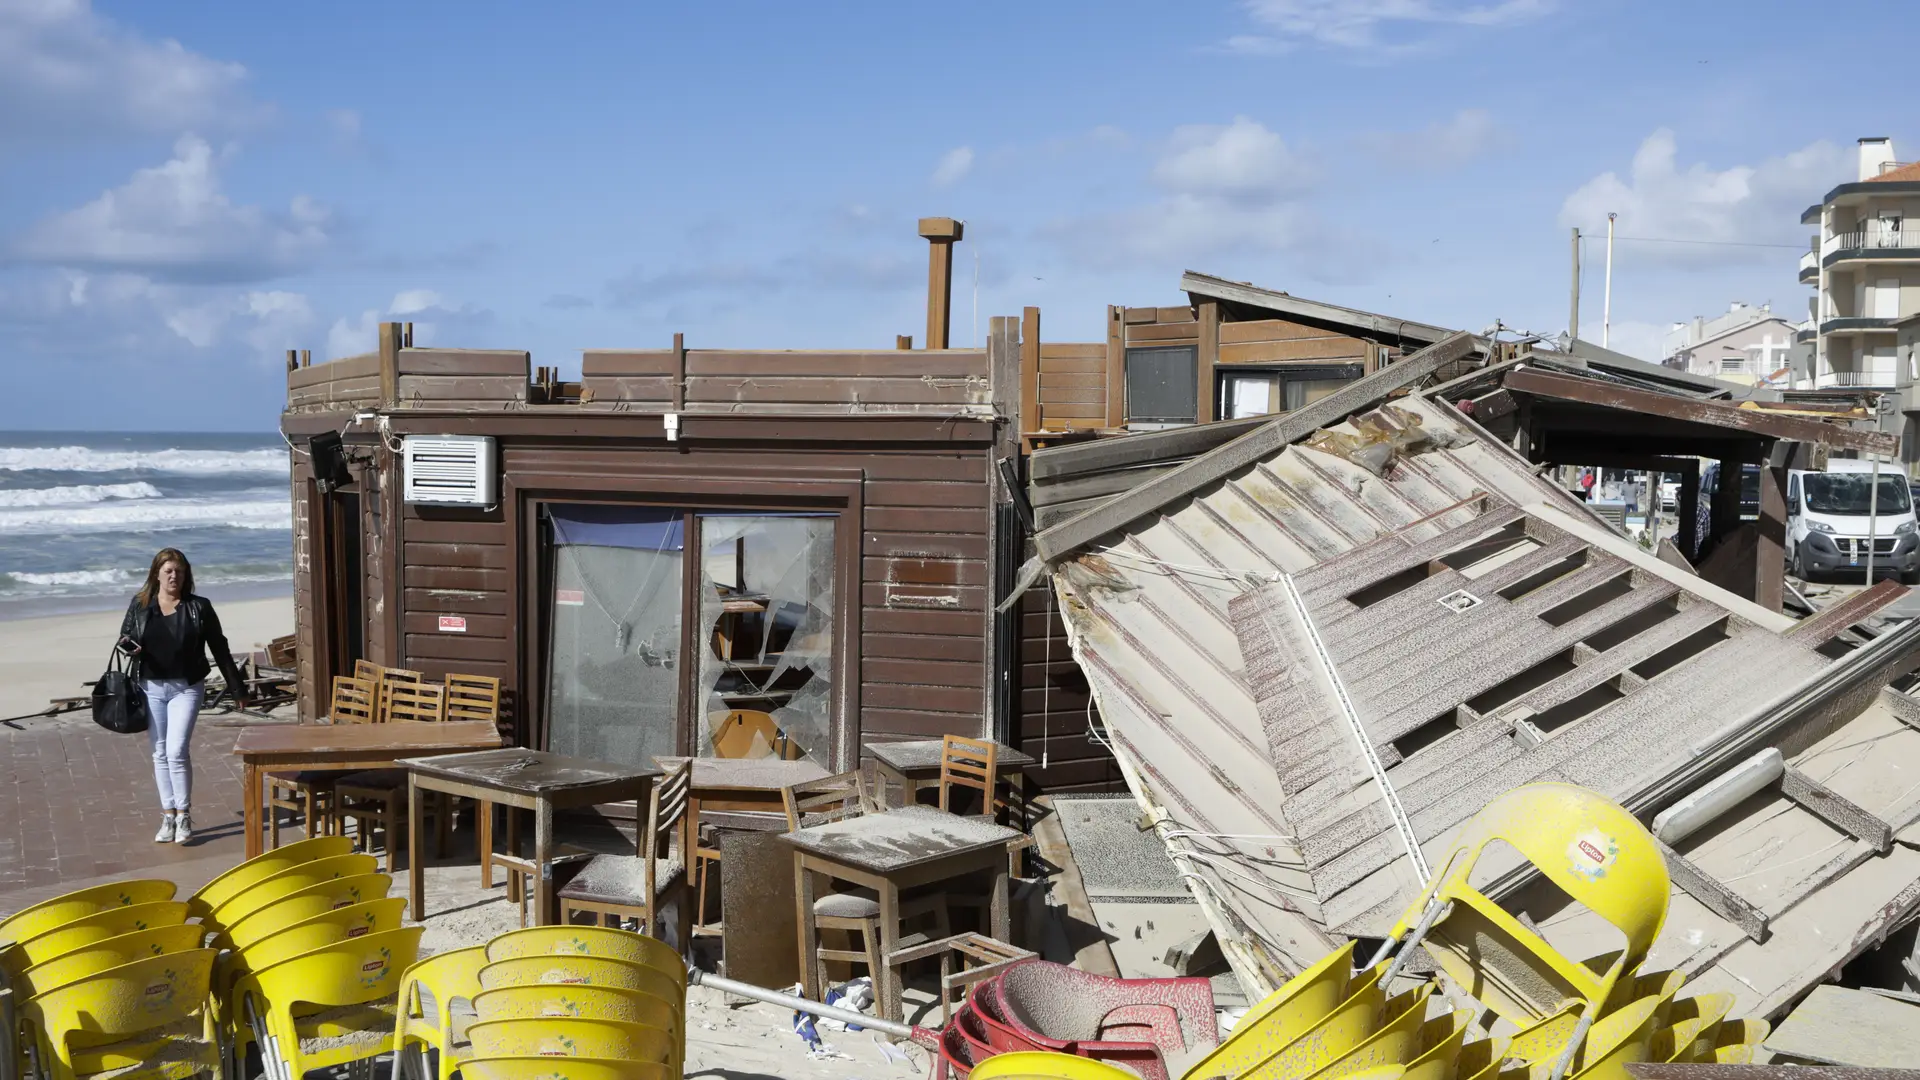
[613, 683]
[766, 635]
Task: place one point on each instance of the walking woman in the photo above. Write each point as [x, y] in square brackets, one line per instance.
[168, 630]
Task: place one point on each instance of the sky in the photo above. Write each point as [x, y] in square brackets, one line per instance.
[187, 190]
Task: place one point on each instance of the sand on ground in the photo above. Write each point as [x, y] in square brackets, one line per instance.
[56, 655]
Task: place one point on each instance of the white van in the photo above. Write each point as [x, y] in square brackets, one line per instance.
[1828, 523]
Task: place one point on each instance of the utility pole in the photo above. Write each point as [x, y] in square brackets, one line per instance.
[1573, 316]
[1606, 305]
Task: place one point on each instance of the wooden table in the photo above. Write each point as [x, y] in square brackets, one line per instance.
[524, 780]
[887, 852]
[343, 748]
[915, 763]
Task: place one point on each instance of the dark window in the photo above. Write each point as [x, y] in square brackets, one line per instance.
[1163, 385]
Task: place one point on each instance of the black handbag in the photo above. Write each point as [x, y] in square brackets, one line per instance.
[119, 704]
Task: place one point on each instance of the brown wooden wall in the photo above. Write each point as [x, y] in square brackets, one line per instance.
[1073, 387]
[1054, 714]
[790, 380]
[1268, 341]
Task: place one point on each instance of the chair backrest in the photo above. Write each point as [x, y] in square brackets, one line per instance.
[390, 678]
[570, 1037]
[39, 918]
[368, 670]
[591, 1002]
[419, 702]
[473, 697]
[745, 733]
[336, 894]
[601, 941]
[90, 960]
[340, 924]
[348, 972]
[967, 763]
[134, 997]
[261, 867]
[354, 700]
[444, 977]
[561, 973]
[99, 926]
[830, 798]
[577, 1068]
[287, 882]
[667, 822]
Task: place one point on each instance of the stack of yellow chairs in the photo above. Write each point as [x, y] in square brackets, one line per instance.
[1535, 1014]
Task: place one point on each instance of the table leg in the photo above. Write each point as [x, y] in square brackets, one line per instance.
[483, 818]
[250, 812]
[803, 897]
[889, 776]
[416, 865]
[514, 884]
[542, 862]
[999, 914]
[886, 981]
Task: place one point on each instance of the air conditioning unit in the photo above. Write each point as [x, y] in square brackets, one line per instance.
[450, 470]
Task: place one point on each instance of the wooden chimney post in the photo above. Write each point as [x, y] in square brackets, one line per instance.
[941, 233]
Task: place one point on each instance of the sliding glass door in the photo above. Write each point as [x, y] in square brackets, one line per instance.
[753, 616]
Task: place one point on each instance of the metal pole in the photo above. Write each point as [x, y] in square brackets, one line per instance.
[1873, 518]
[1606, 306]
[1573, 315]
[920, 1035]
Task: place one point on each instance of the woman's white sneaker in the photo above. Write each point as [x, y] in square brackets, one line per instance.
[182, 828]
[167, 830]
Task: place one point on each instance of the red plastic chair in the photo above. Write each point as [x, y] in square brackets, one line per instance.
[1068, 1004]
[1006, 1036]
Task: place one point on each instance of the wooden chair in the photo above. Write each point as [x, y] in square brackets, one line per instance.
[310, 794]
[473, 697]
[614, 887]
[837, 798]
[390, 680]
[967, 763]
[746, 733]
[378, 797]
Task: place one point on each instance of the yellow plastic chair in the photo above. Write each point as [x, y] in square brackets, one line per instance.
[1589, 846]
[547, 970]
[558, 1068]
[1282, 1016]
[1396, 1041]
[1485, 1059]
[31, 922]
[1436, 1051]
[425, 1017]
[261, 867]
[90, 960]
[328, 1007]
[1732, 1042]
[284, 883]
[148, 1018]
[590, 941]
[303, 904]
[1547, 1039]
[1622, 1036]
[1340, 1030]
[1036, 1063]
[82, 932]
[571, 1037]
[1690, 1022]
[586, 1002]
[319, 931]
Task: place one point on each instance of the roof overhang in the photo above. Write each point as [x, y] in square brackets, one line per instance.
[1366, 323]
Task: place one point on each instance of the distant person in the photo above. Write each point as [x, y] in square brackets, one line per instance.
[168, 631]
[1586, 484]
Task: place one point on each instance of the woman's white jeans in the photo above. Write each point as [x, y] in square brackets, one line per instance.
[172, 707]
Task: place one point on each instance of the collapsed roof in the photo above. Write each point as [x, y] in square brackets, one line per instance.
[1327, 643]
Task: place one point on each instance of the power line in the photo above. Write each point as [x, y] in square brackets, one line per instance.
[1708, 243]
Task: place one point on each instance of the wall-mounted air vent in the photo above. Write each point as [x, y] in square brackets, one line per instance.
[452, 470]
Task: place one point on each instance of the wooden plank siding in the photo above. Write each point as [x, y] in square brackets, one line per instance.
[791, 380]
[1054, 710]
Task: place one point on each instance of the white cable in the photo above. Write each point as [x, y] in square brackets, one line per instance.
[1392, 798]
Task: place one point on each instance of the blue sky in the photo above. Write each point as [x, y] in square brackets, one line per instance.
[189, 189]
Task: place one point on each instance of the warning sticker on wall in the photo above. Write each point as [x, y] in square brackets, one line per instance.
[453, 624]
[570, 597]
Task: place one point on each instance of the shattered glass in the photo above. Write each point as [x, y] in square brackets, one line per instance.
[766, 635]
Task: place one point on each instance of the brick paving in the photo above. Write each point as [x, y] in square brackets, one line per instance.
[77, 803]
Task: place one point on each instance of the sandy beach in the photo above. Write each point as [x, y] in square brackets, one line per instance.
[54, 656]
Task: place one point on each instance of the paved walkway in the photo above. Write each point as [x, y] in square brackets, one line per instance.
[77, 803]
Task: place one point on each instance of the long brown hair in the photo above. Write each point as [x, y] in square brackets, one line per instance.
[161, 558]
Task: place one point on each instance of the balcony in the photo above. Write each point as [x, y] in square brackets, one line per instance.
[1809, 268]
[1874, 242]
[1854, 324]
[1876, 378]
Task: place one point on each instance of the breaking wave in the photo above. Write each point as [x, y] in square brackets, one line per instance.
[86, 459]
[149, 516]
[67, 578]
[77, 494]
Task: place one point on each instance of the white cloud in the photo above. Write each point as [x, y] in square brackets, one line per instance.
[66, 71]
[1380, 25]
[1462, 137]
[954, 165]
[1715, 210]
[1241, 161]
[98, 307]
[173, 222]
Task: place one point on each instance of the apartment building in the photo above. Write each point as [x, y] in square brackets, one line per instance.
[1745, 345]
[1864, 266]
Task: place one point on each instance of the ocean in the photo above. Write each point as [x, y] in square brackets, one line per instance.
[81, 514]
